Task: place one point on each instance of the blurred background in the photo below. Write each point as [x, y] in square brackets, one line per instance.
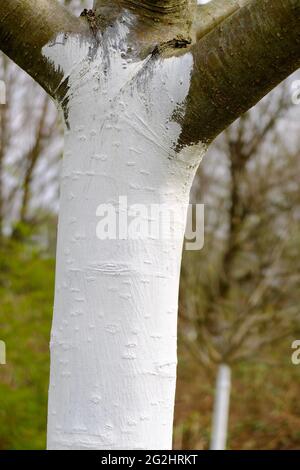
[239, 295]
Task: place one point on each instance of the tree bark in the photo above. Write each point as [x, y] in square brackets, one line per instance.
[25, 27]
[141, 103]
[239, 62]
[212, 14]
[113, 346]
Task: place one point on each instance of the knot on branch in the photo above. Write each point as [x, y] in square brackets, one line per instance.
[90, 15]
[177, 43]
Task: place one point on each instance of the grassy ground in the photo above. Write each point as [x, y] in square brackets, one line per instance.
[265, 405]
[26, 296]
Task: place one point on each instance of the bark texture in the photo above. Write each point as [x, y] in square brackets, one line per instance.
[114, 335]
[239, 62]
[25, 27]
[211, 14]
[156, 10]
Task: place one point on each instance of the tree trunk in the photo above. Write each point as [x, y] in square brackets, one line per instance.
[113, 345]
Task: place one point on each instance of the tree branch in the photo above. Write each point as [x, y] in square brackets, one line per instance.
[237, 63]
[152, 12]
[161, 7]
[25, 27]
[212, 14]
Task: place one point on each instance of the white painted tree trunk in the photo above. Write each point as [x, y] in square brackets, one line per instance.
[114, 334]
[221, 408]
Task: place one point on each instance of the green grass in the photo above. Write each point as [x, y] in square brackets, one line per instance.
[26, 298]
[264, 408]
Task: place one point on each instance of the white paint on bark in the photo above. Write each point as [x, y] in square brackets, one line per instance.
[114, 334]
[221, 408]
